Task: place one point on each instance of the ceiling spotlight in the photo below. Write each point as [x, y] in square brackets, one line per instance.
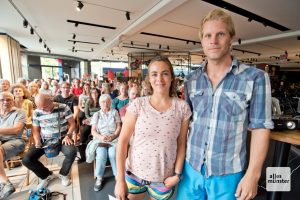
[194, 43]
[127, 15]
[45, 46]
[148, 44]
[31, 31]
[249, 20]
[25, 23]
[131, 43]
[103, 40]
[79, 6]
[187, 42]
[74, 36]
[168, 47]
[76, 24]
[239, 41]
[74, 42]
[160, 46]
[40, 40]
[92, 49]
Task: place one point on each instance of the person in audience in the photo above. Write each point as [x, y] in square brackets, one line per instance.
[72, 101]
[157, 151]
[145, 91]
[4, 85]
[33, 90]
[21, 100]
[93, 85]
[22, 81]
[77, 88]
[228, 99]
[83, 97]
[55, 88]
[45, 88]
[12, 123]
[51, 120]
[122, 99]
[106, 126]
[133, 93]
[91, 106]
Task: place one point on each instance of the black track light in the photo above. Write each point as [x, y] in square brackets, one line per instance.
[31, 31]
[168, 47]
[160, 46]
[127, 15]
[131, 43]
[79, 6]
[74, 36]
[148, 44]
[249, 20]
[40, 40]
[76, 24]
[240, 41]
[25, 23]
[45, 46]
[92, 49]
[103, 40]
[74, 42]
[187, 42]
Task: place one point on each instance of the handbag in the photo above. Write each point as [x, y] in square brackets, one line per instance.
[44, 194]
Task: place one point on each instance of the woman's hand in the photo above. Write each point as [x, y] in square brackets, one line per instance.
[171, 181]
[121, 190]
[67, 141]
[86, 121]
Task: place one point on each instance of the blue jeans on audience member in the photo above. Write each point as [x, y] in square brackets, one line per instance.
[101, 157]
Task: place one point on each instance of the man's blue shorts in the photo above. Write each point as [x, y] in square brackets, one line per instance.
[195, 186]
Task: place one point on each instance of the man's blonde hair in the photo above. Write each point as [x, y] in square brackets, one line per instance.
[218, 14]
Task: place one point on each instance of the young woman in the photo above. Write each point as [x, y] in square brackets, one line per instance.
[160, 124]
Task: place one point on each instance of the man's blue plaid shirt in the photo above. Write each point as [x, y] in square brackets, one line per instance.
[221, 118]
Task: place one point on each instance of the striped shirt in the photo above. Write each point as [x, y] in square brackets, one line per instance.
[218, 131]
[50, 123]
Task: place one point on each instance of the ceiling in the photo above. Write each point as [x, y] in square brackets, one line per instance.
[167, 26]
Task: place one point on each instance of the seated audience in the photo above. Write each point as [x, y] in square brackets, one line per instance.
[51, 120]
[12, 123]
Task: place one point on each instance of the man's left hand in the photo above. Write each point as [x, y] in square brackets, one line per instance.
[247, 188]
[67, 141]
